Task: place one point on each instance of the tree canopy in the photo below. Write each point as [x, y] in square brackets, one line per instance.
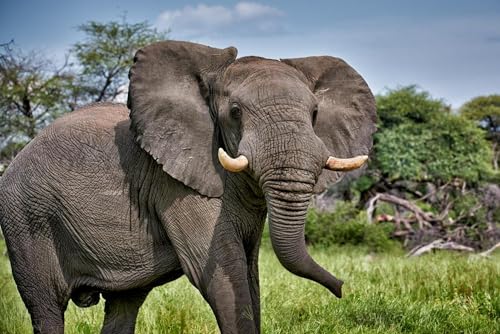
[34, 91]
[408, 105]
[419, 139]
[485, 111]
[106, 54]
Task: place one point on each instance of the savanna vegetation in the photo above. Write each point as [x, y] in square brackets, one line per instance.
[432, 183]
[432, 180]
[383, 293]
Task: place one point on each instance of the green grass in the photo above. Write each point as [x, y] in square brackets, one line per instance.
[383, 293]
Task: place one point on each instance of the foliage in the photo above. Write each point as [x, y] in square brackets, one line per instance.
[346, 225]
[408, 105]
[485, 111]
[106, 54]
[444, 148]
[420, 140]
[32, 94]
[435, 162]
[383, 293]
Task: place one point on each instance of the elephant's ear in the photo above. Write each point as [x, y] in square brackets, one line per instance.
[169, 87]
[346, 112]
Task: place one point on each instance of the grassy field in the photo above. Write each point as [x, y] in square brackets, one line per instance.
[384, 293]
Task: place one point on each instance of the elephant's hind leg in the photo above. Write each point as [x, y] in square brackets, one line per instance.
[121, 311]
[42, 288]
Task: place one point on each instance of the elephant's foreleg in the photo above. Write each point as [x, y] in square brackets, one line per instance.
[219, 271]
[228, 293]
[253, 281]
[121, 310]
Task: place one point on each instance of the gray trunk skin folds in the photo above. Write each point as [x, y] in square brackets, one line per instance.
[287, 212]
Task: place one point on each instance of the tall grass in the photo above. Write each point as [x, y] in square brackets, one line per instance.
[383, 293]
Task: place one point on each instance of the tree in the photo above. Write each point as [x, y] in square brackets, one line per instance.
[428, 167]
[408, 105]
[106, 55]
[485, 111]
[32, 94]
[420, 140]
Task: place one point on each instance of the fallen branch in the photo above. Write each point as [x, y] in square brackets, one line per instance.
[423, 218]
[438, 244]
[435, 191]
[466, 214]
[489, 251]
[371, 207]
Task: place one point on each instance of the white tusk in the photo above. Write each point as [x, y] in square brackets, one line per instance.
[230, 164]
[344, 165]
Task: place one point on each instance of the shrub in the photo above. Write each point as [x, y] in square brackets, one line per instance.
[346, 225]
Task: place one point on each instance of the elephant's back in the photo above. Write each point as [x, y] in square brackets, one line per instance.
[74, 141]
[86, 123]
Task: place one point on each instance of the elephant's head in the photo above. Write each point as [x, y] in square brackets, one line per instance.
[294, 126]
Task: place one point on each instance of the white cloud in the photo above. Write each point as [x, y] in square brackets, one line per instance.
[250, 10]
[193, 21]
[200, 16]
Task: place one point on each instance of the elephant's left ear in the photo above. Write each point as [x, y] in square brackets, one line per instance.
[346, 112]
[170, 83]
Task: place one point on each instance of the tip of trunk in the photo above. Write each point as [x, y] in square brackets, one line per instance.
[336, 288]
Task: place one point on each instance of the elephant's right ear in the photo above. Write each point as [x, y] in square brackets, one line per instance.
[169, 86]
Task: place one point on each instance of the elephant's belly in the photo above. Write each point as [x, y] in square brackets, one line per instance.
[115, 246]
[122, 263]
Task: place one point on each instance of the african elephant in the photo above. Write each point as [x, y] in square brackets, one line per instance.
[113, 201]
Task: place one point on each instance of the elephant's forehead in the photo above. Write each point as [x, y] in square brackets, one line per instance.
[251, 69]
[272, 90]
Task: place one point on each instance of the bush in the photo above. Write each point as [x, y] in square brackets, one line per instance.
[408, 105]
[420, 140]
[448, 147]
[346, 225]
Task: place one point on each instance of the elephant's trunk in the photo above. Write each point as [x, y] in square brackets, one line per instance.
[287, 212]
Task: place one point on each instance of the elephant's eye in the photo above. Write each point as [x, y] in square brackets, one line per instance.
[314, 116]
[235, 111]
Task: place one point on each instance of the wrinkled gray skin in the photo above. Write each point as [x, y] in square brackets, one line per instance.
[103, 202]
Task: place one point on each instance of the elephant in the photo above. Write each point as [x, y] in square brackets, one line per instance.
[113, 200]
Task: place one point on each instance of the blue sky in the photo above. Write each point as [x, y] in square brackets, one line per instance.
[449, 48]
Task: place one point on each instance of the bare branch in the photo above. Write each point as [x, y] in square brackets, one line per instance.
[371, 208]
[438, 244]
[422, 217]
[489, 251]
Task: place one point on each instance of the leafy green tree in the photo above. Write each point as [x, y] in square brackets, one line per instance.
[420, 140]
[32, 94]
[431, 165]
[485, 111]
[408, 105]
[105, 56]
